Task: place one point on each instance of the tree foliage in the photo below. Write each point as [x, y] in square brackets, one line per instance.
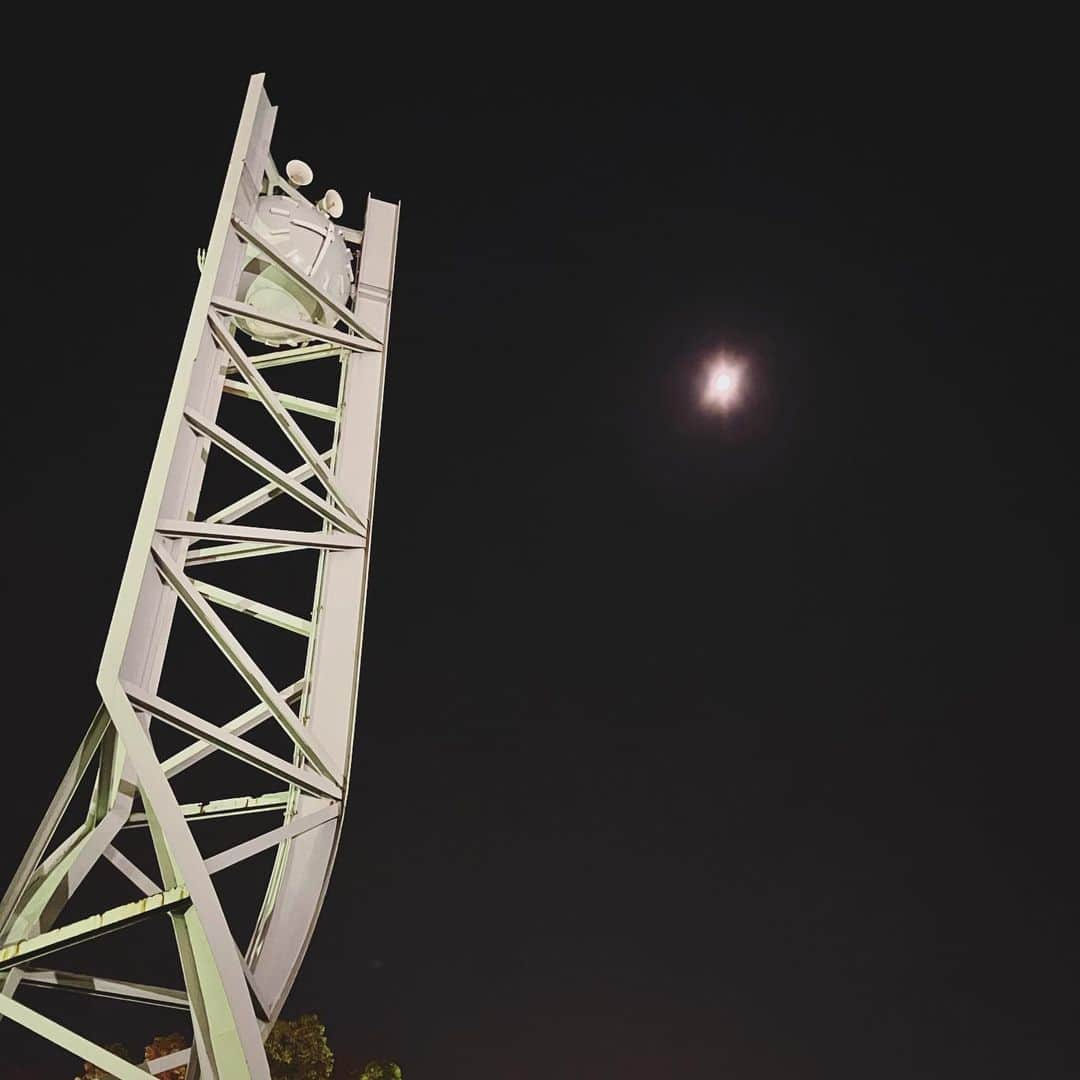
[162, 1046]
[381, 1070]
[297, 1050]
[92, 1072]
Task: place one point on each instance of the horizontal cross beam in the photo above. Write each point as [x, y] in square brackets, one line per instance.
[166, 1062]
[219, 553]
[298, 326]
[21, 952]
[99, 986]
[217, 808]
[251, 534]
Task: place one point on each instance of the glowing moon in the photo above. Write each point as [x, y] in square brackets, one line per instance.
[723, 384]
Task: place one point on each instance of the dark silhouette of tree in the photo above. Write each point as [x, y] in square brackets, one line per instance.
[297, 1050]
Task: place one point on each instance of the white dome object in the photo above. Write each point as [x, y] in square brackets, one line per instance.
[299, 173]
[332, 203]
[306, 239]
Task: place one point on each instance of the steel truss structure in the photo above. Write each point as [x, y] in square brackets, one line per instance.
[233, 994]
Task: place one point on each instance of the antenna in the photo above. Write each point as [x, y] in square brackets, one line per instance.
[299, 173]
[331, 203]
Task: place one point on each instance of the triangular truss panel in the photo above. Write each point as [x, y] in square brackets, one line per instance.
[220, 754]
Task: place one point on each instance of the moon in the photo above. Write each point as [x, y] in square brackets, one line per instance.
[724, 383]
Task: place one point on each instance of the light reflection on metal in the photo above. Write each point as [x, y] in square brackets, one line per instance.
[330, 304]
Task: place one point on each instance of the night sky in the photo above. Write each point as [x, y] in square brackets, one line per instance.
[689, 745]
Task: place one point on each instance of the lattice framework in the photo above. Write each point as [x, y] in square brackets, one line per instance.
[233, 994]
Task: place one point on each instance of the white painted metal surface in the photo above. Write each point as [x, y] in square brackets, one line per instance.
[234, 990]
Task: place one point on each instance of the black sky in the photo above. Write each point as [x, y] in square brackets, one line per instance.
[688, 746]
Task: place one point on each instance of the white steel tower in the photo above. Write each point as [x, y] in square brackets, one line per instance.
[282, 285]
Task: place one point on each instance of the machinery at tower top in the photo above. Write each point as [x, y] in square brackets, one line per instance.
[306, 236]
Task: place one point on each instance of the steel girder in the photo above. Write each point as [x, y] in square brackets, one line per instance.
[234, 994]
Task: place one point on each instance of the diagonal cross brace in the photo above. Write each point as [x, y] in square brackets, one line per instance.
[71, 1041]
[245, 751]
[305, 406]
[292, 431]
[42, 838]
[261, 496]
[238, 656]
[300, 326]
[296, 826]
[238, 725]
[101, 986]
[288, 357]
[269, 471]
[285, 620]
[18, 953]
[143, 882]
